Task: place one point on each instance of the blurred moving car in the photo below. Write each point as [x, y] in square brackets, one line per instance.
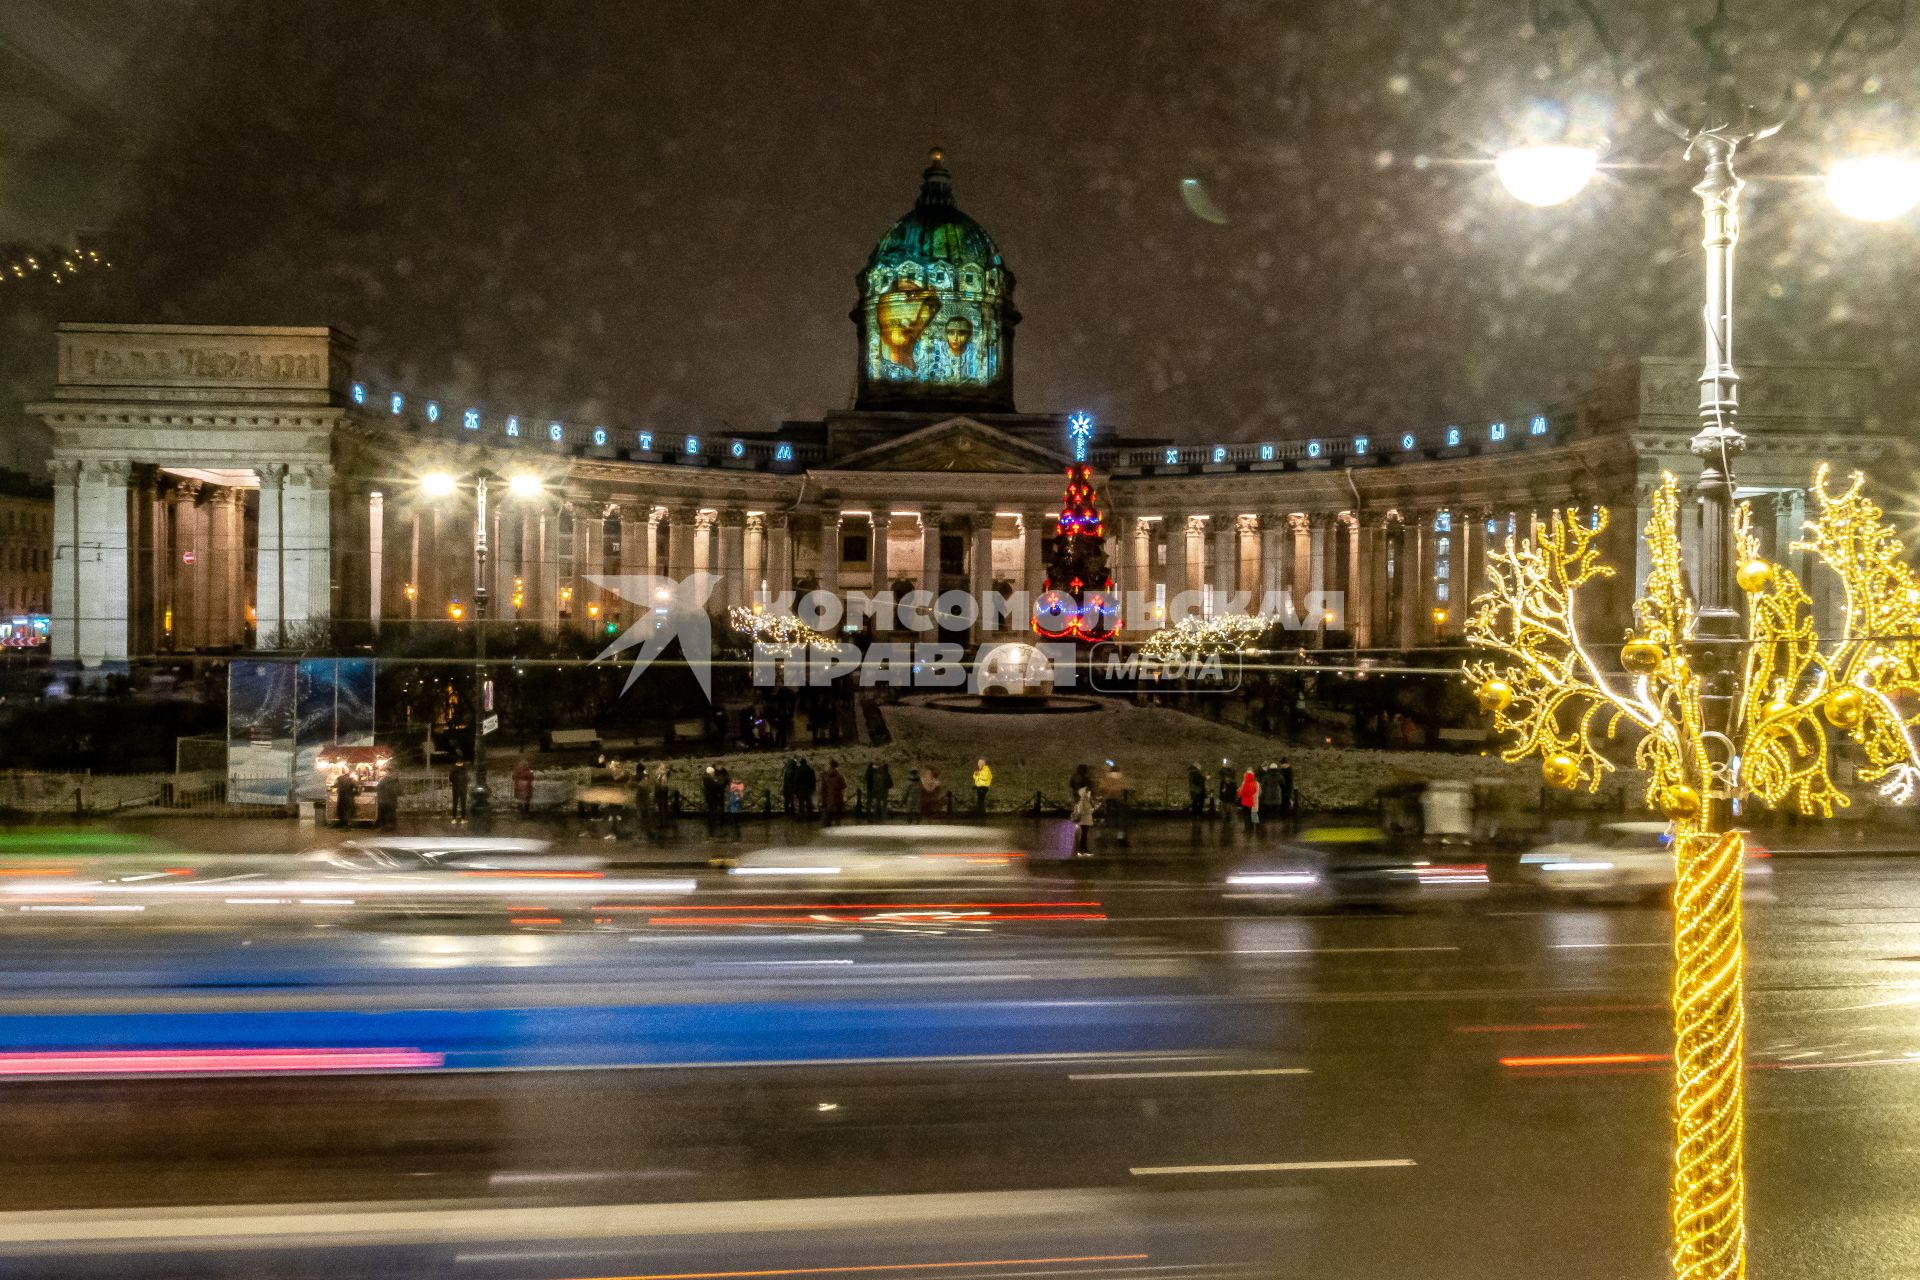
[1624, 862]
[1354, 867]
[451, 853]
[888, 854]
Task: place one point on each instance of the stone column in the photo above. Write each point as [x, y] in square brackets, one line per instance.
[1273, 547]
[1226, 558]
[376, 556]
[1412, 572]
[1036, 526]
[1141, 582]
[882, 521]
[779, 571]
[930, 549]
[543, 587]
[1178, 582]
[185, 550]
[732, 562]
[680, 518]
[705, 555]
[1366, 573]
[589, 561]
[89, 614]
[980, 567]
[830, 549]
[753, 550]
[1317, 531]
[226, 544]
[636, 539]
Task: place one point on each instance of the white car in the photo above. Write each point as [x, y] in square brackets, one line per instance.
[887, 854]
[417, 854]
[1625, 861]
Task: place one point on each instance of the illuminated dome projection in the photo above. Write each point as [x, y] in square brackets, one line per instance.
[936, 311]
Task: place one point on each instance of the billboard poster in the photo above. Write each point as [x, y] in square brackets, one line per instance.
[281, 711]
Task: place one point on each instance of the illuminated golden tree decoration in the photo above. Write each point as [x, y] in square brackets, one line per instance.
[780, 634]
[1792, 694]
[1206, 637]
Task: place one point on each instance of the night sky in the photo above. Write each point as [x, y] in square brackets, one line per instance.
[652, 213]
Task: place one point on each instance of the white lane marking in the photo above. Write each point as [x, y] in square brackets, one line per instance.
[1192, 1075]
[1286, 1166]
[1312, 951]
[1599, 946]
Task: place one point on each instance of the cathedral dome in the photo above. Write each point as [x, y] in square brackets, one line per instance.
[936, 311]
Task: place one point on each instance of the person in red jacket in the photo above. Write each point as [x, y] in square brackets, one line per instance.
[833, 795]
[1250, 798]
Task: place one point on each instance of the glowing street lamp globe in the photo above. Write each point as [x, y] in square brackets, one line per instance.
[1546, 175]
[1874, 188]
[525, 485]
[437, 484]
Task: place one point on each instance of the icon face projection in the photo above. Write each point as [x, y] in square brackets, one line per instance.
[959, 334]
[904, 311]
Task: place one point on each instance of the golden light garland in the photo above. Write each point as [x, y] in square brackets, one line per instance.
[780, 634]
[1206, 637]
[1796, 691]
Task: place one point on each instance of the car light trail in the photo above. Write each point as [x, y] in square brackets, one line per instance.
[88, 1062]
[1586, 1060]
[877, 1266]
[889, 917]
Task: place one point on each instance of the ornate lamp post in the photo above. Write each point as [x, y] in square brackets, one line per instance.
[1725, 703]
[441, 484]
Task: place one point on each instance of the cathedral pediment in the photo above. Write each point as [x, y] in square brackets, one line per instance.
[956, 444]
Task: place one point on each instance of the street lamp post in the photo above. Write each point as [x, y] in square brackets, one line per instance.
[442, 484]
[1727, 702]
[479, 804]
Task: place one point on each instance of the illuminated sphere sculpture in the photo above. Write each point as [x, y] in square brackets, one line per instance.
[1016, 670]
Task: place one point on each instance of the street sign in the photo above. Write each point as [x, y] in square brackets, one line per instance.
[489, 724]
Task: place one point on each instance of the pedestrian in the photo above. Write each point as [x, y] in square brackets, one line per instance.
[345, 792]
[1269, 790]
[833, 795]
[1223, 786]
[1083, 823]
[386, 802]
[931, 793]
[1250, 797]
[883, 793]
[982, 780]
[1113, 795]
[1081, 780]
[662, 794]
[1196, 789]
[1287, 797]
[713, 796]
[803, 788]
[523, 785]
[789, 784]
[457, 777]
[736, 801]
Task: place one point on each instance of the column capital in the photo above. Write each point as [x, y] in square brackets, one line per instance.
[1299, 521]
[757, 520]
[1246, 523]
[272, 474]
[184, 489]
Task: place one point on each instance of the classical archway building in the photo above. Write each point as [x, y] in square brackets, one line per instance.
[224, 487]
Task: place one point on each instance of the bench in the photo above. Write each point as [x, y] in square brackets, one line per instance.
[570, 739]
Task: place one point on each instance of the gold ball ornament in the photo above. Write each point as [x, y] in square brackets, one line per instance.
[1495, 695]
[1754, 575]
[1642, 657]
[1845, 708]
[1680, 802]
[1560, 771]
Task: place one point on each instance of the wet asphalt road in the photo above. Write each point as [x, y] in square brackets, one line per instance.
[1463, 1093]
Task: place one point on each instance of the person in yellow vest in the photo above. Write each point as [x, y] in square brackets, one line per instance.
[982, 779]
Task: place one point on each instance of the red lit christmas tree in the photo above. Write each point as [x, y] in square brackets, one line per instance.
[1077, 598]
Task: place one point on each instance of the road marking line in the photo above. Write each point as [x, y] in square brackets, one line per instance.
[1321, 951]
[1600, 946]
[1190, 1075]
[1288, 1166]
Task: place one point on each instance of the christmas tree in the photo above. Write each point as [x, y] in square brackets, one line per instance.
[1077, 597]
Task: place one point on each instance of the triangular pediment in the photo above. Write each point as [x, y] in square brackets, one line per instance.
[955, 444]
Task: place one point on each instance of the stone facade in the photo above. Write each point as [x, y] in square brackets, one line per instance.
[222, 488]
